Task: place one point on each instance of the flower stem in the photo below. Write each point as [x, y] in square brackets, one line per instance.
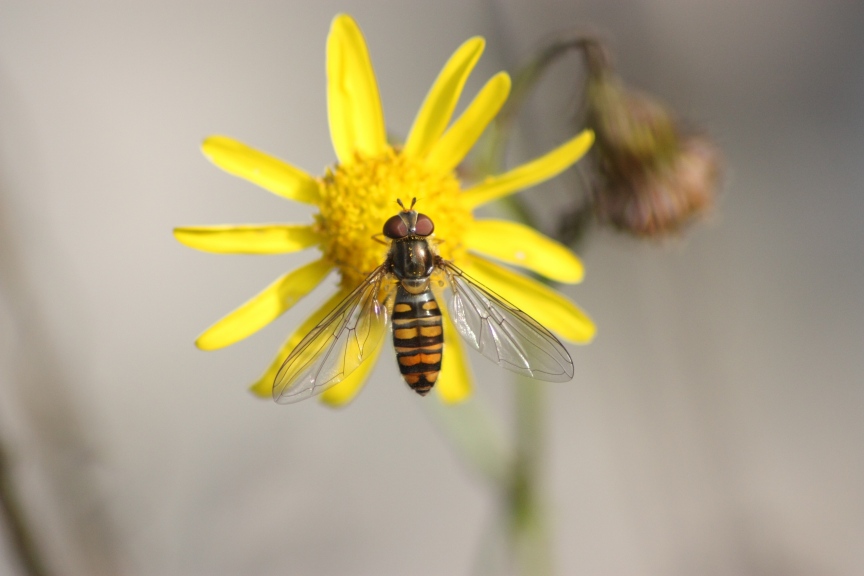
[530, 536]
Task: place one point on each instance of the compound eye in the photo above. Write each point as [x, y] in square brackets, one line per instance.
[395, 228]
[424, 227]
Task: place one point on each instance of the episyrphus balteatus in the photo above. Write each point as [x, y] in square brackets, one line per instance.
[403, 292]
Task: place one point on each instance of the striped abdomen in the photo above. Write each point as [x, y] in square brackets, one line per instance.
[418, 338]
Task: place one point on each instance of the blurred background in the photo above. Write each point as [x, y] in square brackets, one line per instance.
[714, 427]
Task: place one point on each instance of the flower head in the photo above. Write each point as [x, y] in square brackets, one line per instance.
[359, 193]
[654, 177]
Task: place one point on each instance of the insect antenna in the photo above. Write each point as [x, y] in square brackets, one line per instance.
[401, 205]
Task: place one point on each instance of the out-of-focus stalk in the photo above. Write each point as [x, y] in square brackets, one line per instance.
[530, 535]
[23, 544]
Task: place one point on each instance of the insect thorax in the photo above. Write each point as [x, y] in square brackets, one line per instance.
[412, 262]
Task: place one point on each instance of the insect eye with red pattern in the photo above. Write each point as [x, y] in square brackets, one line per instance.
[424, 226]
[395, 228]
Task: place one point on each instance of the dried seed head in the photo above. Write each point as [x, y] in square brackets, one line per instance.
[660, 202]
[652, 178]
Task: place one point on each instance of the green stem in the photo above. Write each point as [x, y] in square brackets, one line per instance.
[530, 536]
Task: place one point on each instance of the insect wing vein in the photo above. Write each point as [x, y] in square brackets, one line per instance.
[501, 331]
[338, 344]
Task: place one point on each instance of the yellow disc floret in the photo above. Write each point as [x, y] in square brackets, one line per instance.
[357, 198]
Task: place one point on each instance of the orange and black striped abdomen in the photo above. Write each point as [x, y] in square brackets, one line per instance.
[418, 337]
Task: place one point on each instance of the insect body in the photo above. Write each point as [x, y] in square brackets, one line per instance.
[404, 291]
[418, 335]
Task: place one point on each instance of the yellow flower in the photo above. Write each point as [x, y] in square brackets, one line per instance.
[359, 193]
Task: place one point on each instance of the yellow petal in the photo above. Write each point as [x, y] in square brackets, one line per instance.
[266, 171]
[455, 144]
[264, 386]
[454, 381]
[545, 305]
[435, 113]
[345, 391]
[265, 307]
[249, 239]
[522, 246]
[354, 107]
[550, 164]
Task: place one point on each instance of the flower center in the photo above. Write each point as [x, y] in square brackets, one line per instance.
[356, 200]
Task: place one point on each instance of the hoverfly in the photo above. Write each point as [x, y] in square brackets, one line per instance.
[404, 292]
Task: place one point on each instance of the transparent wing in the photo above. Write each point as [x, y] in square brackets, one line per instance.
[502, 332]
[339, 343]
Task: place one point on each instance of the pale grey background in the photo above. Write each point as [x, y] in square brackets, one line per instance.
[714, 427]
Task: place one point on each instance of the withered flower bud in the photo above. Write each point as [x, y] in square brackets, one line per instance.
[652, 178]
[659, 202]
